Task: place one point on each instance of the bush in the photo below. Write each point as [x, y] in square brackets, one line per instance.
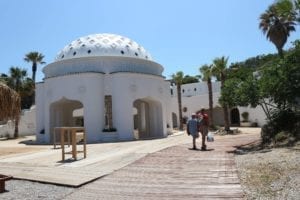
[282, 125]
[245, 116]
[284, 120]
[281, 136]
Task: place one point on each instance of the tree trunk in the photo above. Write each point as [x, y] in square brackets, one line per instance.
[225, 109]
[210, 101]
[226, 119]
[34, 67]
[16, 132]
[280, 52]
[179, 106]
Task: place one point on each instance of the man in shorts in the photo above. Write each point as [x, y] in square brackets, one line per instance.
[203, 118]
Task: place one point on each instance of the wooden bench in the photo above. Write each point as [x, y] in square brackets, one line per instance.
[3, 178]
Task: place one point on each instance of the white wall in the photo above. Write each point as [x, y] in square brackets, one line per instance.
[255, 115]
[86, 88]
[128, 87]
[27, 124]
[90, 89]
[195, 99]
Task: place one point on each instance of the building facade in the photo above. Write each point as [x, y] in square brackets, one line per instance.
[107, 83]
[195, 97]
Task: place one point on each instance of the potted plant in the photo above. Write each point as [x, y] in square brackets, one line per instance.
[245, 121]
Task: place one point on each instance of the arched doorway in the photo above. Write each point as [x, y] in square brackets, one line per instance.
[235, 117]
[147, 117]
[62, 114]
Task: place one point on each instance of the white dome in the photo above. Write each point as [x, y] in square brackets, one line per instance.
[103, 45]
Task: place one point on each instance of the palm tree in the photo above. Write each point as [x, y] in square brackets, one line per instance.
[35, 58]
[10, 106]
[277, 23]
[16, 78]
[206, 71]
[178, 78]
[219, 70]
[16, 81]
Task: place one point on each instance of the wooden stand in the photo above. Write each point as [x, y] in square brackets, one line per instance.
[72, 132]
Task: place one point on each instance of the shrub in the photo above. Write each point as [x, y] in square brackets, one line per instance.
[282, 125]
[245, 116]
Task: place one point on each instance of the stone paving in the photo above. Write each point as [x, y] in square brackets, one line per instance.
[45, 165]
[176, 172]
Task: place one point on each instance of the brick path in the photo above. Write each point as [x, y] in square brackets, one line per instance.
[174, 173]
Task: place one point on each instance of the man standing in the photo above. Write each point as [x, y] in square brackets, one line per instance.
[193, 128]
[203, 118]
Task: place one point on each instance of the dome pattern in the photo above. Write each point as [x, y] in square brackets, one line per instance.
[103, 45]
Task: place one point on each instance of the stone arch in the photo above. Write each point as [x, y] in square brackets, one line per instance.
[62, 114]
[148, 118]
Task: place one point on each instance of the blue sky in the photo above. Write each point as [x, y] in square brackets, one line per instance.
[181, 35]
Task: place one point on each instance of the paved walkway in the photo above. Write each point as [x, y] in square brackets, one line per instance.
[175, 173]
[45, 165]
[145, 169]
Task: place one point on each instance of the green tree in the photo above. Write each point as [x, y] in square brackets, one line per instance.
[18, 80]
[277, 22]
[219, 70]
[275, 87]
[297, 6]
[178, 79]
[35, 58]
[206, 71]
[189, 79]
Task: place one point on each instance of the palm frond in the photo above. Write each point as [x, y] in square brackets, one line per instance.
[10, 103]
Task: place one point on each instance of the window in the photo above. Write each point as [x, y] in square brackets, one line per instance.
[74, 53]
[183, 91]
[108, 111]
[195, 89]
[136, 54]
[122, 52]
[89, 51]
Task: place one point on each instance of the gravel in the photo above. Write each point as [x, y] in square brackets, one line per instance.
[270, 174]
[28, 190]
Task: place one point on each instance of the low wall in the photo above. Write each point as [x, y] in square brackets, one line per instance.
[27, 124]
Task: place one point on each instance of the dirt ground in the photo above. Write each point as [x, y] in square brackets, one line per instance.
[20, 145]
[16, 150]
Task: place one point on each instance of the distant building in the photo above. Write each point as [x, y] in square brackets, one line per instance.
[195, 97]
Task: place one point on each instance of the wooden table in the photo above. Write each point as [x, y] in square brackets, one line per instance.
[73, 133]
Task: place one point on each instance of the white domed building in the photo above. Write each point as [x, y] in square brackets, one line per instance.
[107, 83]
